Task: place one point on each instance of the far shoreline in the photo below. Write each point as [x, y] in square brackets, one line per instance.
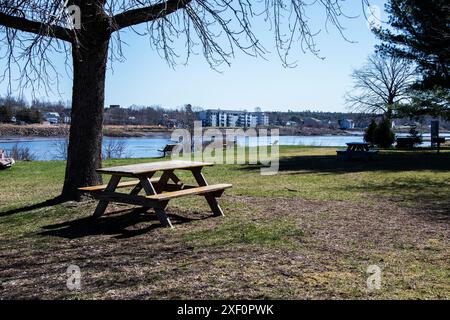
[31, 131]
[12, 131]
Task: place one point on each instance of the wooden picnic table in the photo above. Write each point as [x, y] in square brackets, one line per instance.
[158, 191]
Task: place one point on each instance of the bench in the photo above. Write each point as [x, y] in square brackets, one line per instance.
[102, 187]
[215, 189]
[167, 149]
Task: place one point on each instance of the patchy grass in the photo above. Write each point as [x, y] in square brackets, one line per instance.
[310, 231]
[278, 233]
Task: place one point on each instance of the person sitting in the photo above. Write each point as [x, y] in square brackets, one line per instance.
[5, 162]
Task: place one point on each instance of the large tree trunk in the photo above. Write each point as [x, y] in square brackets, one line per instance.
[88, 96]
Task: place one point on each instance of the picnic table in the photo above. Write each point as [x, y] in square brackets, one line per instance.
[436, 141]
[158, 191]
[357, 150]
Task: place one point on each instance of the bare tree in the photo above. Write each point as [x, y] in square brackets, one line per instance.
[380, 84]
[32, 31]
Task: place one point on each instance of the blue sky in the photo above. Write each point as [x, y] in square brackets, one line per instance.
[315, 84]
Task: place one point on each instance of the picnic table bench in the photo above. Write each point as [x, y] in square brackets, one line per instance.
[158, 190]
[357, 150]
[167, 149]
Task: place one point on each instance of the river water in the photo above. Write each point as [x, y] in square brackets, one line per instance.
[147, 147]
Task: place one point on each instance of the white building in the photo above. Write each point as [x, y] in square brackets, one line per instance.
[346, 124]
[229, 118]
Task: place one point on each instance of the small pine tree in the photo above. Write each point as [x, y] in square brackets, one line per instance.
[384, 137]
[369, 135]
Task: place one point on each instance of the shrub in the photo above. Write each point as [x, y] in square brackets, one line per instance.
[114, 149]
[384, 137]
[60, 148]
[28, 115]
[369, 135]
[18, 152]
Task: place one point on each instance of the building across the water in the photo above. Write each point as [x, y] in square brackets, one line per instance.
[230, 118]
[345, 124]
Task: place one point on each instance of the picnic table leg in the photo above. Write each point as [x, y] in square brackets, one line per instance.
[159, 208]
[162, 182]
[162, 215]
[211, 199]
[103, 204]
[137, 188]
[135, 191]
[175, 179]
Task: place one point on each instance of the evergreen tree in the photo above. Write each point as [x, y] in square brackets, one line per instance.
[384, 137]
[369, 135]
[420, 31]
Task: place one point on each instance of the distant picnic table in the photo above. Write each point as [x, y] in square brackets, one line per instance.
[357, 150]
[158, 191]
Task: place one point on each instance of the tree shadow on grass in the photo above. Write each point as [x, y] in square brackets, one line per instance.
[121, 226]
[428, 197]
[386, 161]
[47, 203]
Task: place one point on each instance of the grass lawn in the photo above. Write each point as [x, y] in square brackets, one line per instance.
[311, 231]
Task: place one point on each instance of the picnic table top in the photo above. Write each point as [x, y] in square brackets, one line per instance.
[143, 168]
[357, 143]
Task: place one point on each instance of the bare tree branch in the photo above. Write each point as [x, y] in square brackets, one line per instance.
[147, 14]
[35, 27]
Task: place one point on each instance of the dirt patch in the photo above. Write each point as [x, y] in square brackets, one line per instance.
[127, 255]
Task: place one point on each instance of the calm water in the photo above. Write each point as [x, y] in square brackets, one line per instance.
[45, 148]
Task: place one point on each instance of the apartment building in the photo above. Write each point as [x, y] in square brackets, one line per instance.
[230, 118]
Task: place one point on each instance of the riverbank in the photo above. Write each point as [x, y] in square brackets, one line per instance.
[136, 131]
[38, 130]
[44, 131]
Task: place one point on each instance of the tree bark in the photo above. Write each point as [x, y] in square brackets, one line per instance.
[88, 97]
